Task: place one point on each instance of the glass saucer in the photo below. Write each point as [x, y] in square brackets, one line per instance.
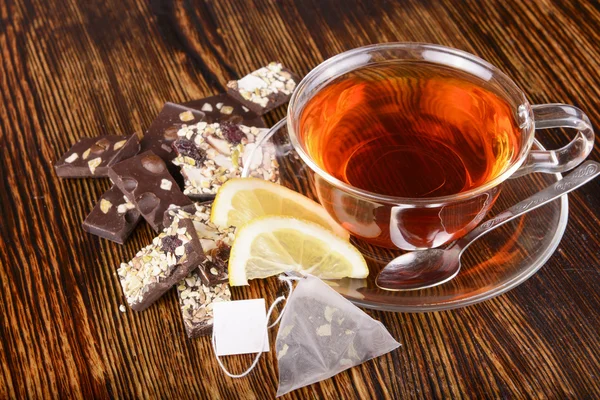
[495, 264]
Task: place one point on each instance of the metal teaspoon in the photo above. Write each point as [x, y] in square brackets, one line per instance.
[432, 267]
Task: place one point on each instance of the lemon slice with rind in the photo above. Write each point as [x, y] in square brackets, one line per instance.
[241, 200]
[270, 245]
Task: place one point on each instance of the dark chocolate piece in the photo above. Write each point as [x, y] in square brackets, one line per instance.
[264, 89]
[91, 157]
[159, 266]
[196, 302]
[224, 108]
[146, 182]
[216, 242]
[164, 128]
[113, 217]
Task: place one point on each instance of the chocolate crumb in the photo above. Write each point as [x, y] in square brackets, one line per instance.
[220, 255]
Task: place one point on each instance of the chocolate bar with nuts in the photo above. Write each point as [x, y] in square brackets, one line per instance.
[211, 154]
[146, 182]
[264, 89]
[216, 242]
[163, 130]
[91, 157]
[223, 108]
[159, 266]
[196, 301]
[114, 217]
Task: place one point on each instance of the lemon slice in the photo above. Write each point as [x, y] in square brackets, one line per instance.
[270, 245]
[241, 200]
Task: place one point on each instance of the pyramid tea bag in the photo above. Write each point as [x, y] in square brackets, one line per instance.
[322, 334]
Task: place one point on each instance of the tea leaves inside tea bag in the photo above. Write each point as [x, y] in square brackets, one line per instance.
[322, 334]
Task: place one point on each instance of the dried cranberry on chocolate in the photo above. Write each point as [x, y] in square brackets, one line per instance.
[187, 148]
[170, 243]
[232, 133]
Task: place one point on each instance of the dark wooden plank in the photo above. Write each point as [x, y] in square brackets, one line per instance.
[70, 68]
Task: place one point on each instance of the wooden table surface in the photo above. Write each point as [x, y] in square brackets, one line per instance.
[84, 68]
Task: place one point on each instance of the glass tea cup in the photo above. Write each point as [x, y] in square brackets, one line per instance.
[421, 223]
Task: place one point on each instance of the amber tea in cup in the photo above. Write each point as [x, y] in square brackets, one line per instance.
[410, 129]
[410, 143]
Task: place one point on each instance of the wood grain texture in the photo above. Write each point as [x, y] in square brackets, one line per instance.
[70, 68]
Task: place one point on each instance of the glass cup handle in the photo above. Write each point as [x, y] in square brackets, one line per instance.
[552, 161]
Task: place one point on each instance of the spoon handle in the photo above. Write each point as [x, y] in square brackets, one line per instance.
[580, 176]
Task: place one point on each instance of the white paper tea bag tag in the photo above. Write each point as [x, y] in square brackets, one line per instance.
[240, 327]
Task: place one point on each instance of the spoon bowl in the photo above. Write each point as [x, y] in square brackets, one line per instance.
[419, 270]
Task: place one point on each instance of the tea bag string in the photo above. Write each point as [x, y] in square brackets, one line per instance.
[286, 279]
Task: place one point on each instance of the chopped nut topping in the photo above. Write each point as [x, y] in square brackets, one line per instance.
[122, 308]
[152, 264]
[166, 184]
[207, 107]
[196, 302]
[259, 85]
[186, 116]
[105, 205]
[72, 158]
[86, 154]
[224, 150]
[119, 144]
[219, 105]
[226, 110]
[206, 230]
[93, 164]
[123, 208]
[251, 83]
